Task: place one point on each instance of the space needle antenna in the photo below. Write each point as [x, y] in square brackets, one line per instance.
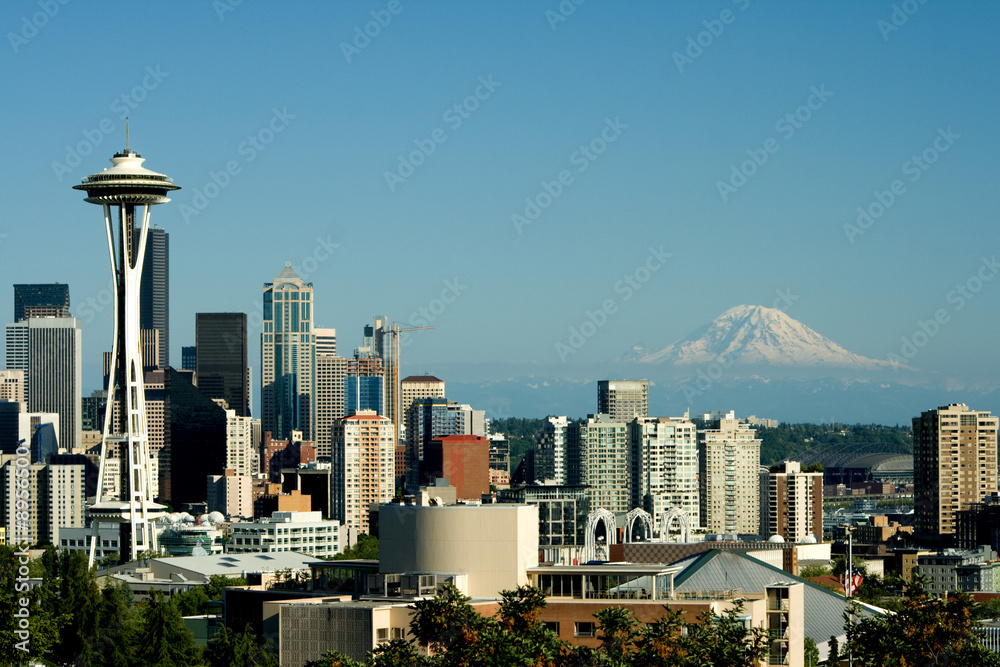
[126, 133]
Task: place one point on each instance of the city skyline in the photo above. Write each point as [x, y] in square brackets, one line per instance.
[603, 164]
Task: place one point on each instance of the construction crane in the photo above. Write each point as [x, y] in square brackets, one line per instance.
[394, 381]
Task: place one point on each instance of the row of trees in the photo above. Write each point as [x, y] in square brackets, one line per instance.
[926, 631]
[75, 622]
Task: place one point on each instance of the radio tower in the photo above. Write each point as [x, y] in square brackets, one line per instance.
[126, 186]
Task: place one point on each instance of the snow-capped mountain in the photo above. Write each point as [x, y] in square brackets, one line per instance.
[755, 335]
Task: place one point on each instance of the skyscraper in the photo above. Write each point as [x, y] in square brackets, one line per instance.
[729, 481]
[288, 358]
[49, 351]
[221, 361]
[623, 400]
[50, 300]
[954, 465]
[154, 301]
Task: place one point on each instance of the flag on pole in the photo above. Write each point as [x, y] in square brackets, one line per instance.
[852, 581]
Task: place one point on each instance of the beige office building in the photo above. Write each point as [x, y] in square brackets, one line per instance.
[12, 385]
[412, 388]
[954, 465]
[729, 482]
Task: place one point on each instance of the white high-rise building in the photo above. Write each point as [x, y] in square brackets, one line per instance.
[331, 376]
[49, 351]
[729, 481]
[664, 467]
[363, 467]
[240, 453]
[550, 459]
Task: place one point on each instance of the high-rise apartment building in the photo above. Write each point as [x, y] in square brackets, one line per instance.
[363, 466]
[598, 453]
[221, 361]
[954, 465]
[664, 466]
[623, 400]
[288, 358]
[791, 503]
[49, 351]
[50, 300]
[729, 480]
[154, 297]
[240, 453]
[550, 457]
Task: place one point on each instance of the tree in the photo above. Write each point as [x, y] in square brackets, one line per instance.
[725, 640]
[163, 639]
[241, 649]
[365, 548]
[117, 631]
[927, 631]
[810, 653]
[833, 657]
[334, 659]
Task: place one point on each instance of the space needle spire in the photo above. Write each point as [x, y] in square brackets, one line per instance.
[130, 188]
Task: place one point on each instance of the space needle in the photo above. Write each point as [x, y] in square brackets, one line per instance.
[127, 185]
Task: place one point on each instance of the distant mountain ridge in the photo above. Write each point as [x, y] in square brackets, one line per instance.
[756, 335]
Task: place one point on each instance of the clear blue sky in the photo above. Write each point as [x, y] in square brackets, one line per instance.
[203, 80]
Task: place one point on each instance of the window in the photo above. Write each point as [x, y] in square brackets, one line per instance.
[381, 635]
[584, 629]
[553, 626]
